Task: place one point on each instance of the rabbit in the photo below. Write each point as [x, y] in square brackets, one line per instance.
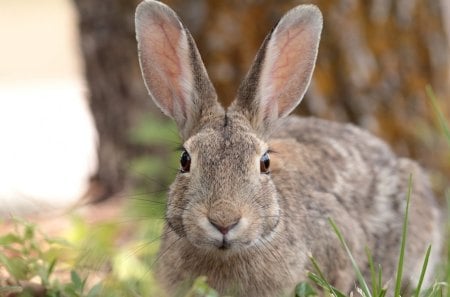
[251, 201]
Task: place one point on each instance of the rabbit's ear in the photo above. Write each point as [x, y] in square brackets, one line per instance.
[282, 69]
[172, 68]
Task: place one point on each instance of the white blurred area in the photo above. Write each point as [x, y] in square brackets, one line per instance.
[47, 135]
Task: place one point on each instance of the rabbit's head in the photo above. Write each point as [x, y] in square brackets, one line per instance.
[223, 197]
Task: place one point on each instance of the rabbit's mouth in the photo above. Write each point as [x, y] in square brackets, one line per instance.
[243, 235]
[227, 245]
[224, 245]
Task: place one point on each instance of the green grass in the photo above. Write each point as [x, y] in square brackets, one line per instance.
[129, 274]
[359, 276]
[445, 127]
[423, 271]
[447, 270]
[399, 275]
[378, 289]
[376, 276]
[31, 259]
[443, 123]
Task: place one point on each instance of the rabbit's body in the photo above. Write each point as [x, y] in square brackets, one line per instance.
[362, 186]
[247, 221]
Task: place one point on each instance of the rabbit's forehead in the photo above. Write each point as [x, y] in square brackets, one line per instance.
[226, 142]
[215, 146]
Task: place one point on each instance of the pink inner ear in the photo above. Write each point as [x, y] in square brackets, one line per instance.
[289, 63]
[163, 60]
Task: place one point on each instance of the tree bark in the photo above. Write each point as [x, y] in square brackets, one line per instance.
[117, 94]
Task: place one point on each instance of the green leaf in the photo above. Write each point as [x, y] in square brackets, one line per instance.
[7, 290]
[70, 290]
[95, 290]
[16, 267]
[10, 239]
[76, 280]
[29, 231]
[304, 290]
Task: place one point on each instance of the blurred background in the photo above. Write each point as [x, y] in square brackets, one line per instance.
[47, 135]
[75, 116]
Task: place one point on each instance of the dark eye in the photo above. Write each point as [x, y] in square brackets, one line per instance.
[265, 163]
[185, 162]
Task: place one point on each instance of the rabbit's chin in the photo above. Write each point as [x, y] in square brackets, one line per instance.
[223, 247]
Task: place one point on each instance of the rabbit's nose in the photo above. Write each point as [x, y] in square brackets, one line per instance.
[223, 229]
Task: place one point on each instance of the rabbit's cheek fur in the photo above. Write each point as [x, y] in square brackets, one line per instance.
[256, 216]
[176, 204]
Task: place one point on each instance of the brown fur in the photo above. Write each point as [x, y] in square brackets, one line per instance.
[318, 170]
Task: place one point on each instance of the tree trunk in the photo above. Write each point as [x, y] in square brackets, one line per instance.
[375, 59]
[117, 94]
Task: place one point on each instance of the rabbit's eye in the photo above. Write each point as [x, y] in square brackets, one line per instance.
[265, 163]
[185, 162]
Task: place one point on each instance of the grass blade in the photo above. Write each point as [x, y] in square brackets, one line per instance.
[447, 270]
[380, 274]
[304, 290]
[321, 281]
[443, 123]
[398, 279]
[422, 273]
[325, 285]
[358, 273]
[437, 290]
[321, 278]
[373, 273]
